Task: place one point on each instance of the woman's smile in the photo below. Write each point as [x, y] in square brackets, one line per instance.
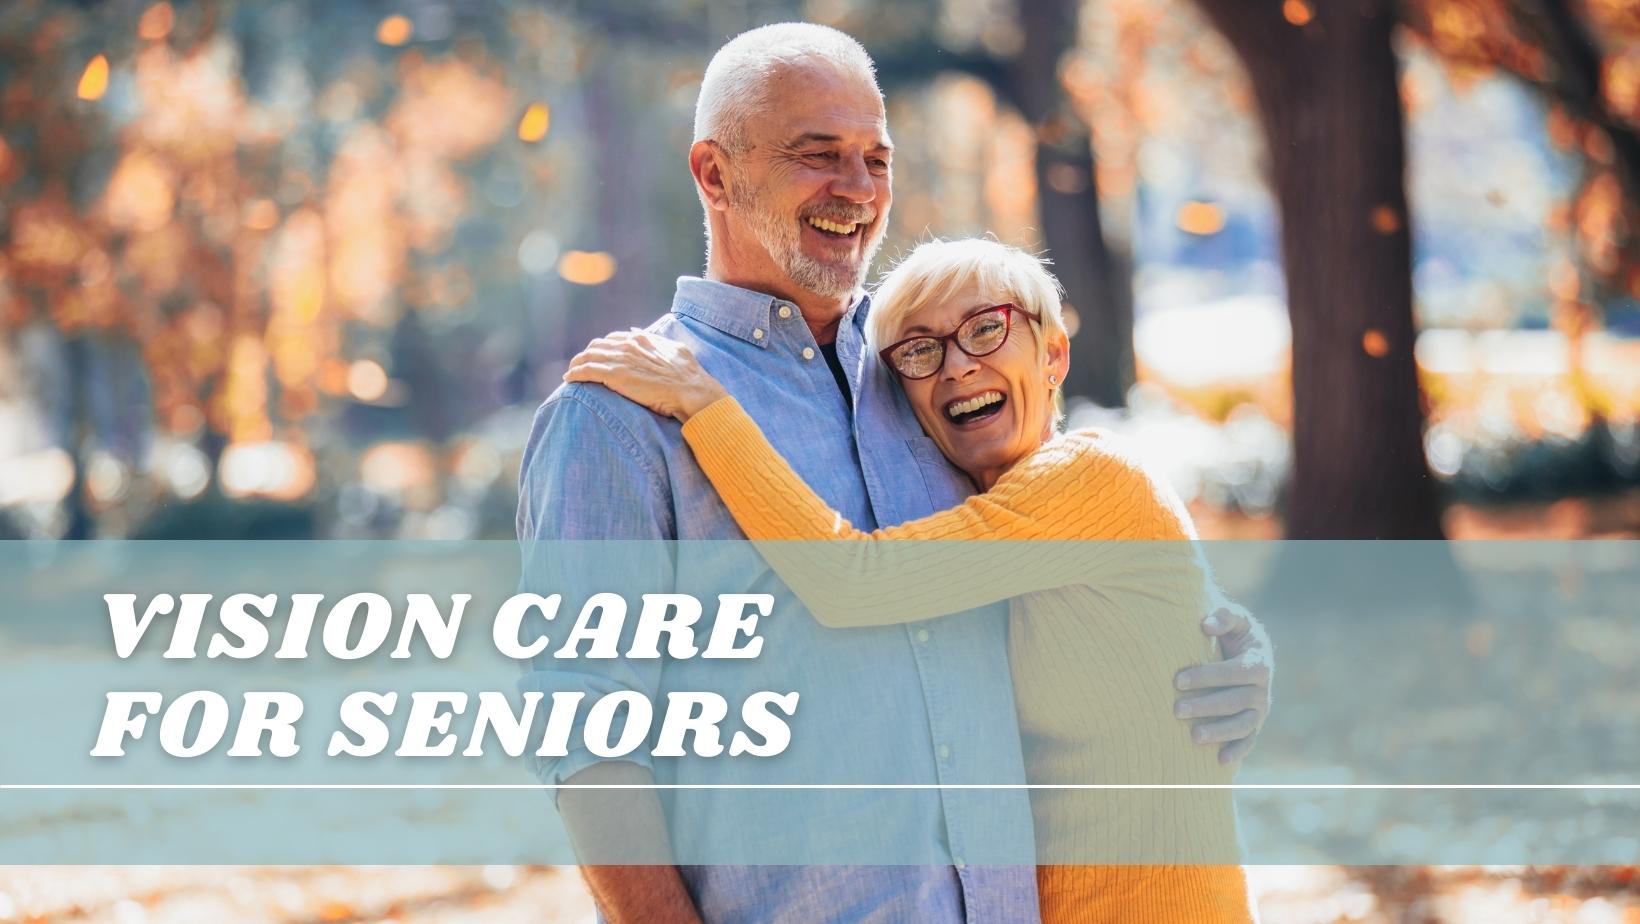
[974, 410]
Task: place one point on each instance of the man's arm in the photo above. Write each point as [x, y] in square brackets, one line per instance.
[1228, 701]
[627, 822]
[584, 476]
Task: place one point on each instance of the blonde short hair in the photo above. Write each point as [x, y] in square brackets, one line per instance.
[937, 270]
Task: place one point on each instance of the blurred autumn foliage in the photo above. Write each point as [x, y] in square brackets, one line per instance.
[298, 268]
[508, 894]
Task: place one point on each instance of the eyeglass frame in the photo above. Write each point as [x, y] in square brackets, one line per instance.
[1008, 309]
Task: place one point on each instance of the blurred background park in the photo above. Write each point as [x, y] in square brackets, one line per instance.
[299, 268]
[293, 268]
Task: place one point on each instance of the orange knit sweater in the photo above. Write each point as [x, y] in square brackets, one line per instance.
[1098, 629]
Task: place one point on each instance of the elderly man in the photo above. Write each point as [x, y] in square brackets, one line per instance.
[791, 160]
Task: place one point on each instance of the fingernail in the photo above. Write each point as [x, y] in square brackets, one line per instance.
[1213, 621]
[1181, 711]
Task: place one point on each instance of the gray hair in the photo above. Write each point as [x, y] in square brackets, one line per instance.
[736, 80]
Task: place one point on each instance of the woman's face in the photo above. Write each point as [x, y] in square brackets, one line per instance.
[986, 412]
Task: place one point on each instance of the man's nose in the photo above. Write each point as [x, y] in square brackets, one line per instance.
[853, 181]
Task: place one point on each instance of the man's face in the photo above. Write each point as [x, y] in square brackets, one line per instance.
[814, 189]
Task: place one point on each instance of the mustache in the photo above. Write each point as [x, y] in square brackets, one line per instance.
[842, 213]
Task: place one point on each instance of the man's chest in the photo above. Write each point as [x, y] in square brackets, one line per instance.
[812, 430]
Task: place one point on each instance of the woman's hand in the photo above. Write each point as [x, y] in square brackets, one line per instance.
[656, 372]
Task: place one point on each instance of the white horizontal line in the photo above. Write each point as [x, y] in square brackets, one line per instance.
[867, 786]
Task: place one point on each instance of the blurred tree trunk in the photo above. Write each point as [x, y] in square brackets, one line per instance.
[1329, 99]
[76, 504]
[1096, 278]
[1096, 281]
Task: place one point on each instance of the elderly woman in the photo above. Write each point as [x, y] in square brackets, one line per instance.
[973, 330]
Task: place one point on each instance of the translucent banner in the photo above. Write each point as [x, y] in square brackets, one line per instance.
[985, 703]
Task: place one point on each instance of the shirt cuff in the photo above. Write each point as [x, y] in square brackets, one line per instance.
[553, 771]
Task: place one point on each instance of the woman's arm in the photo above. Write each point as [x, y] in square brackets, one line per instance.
[1079, 488]
[1071, 490]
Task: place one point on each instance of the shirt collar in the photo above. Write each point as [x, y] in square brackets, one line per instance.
[738, 312]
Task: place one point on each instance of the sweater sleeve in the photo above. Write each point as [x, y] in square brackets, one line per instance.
[1079, 487]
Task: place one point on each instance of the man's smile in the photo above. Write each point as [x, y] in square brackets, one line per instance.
[835, 228]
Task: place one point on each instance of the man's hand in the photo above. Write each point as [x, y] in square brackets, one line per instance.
[1227, 701]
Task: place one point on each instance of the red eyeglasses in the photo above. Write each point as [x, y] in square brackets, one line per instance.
[980, 334]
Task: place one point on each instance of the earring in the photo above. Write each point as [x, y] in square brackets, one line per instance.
[1053, 380]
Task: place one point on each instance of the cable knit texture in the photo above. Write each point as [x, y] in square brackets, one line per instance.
[1098, 629]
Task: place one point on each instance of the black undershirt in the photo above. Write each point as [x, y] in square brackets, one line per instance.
[829, 351]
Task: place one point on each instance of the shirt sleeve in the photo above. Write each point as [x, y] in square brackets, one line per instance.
[585, 479]
[1077, 488]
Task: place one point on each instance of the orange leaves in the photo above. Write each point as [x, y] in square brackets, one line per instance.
[141, 194]
[394, 30]
[1615, 17]
[1457, 26]
[1385, 219]
[533, 126]
[1375, 344]
[46, 241]
[367, 246]
[1200, 218]
[1297, 12]
[1474, 36]
[1477, 35]
[1564, 284]
[191, 105]
[1620, 79]
[260, 215]
[94, 79]
[1563, 129]
[1600, 222]
[586, 268]
[156, 22]
[448, 109]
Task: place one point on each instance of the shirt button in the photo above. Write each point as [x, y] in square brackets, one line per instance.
[757, 333]
[922, 635]
[959, 863]
[944, 752]
[785, 312]
[808, 352]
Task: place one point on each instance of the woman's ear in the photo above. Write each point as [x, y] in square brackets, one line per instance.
[1059, 357]
[706, 162]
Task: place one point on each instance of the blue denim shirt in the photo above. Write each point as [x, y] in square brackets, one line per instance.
[902, 704]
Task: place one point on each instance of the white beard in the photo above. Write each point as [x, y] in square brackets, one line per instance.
[780, 235]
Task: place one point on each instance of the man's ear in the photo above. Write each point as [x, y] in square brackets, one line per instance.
[711, 170]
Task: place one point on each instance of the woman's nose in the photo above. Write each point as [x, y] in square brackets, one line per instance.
[957, 364]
